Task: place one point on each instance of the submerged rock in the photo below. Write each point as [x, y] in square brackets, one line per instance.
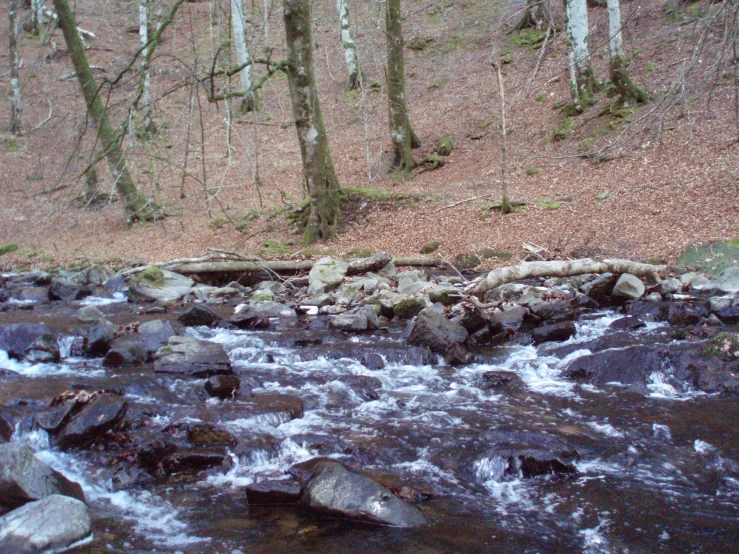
[335, 490]
[48, 525]
[24, 478]
[271, 492]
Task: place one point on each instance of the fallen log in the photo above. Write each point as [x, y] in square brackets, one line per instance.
[564, 268]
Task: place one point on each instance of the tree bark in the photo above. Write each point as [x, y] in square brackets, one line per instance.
[535, 15]
[583, 83]
[318, 169]
[628, 91]
[137, 205]
[350, 47]
[148, 128]
[567, 268]
[238, 27]
[16, 105]
[401, 132]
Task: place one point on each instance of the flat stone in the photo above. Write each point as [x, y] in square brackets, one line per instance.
[172, 287]
[192, 357]
[629, 287]
[101, 415]
[326, 275]
[271, 492]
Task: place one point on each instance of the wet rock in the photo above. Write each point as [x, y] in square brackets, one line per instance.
[523, 454]
[278, 408]
[198, 315]
[600, 287]
[510, 317]
[68, 291]
[500, 379]
[326, 275]
[682, 315]
[52, 419]
[627, 366]
[192, 357]
[24, 478]
[710, 367]
[44, 349]
[158, 285]
[728, 315]
[361, 319]
[716, 303]
[193, 462]
[629, 287]
[225, 387]
[204, 433]
[628, 323]
[155, 334]
[472, 319]
[38, 295]
[551, 309]
[18, 338]
[653, 297]
[89, 314]
[48, 525]
[408, 308]
[319, 300]
[125, 351]
[103, 413]
[435, 331]
[446, 296]
[728, 281]
[272, 492]
[6, 429]
[335, 490]
[373, 263]
[364, 386]
[260, 315]
[457, 355]
[556, 332]
[99, 338]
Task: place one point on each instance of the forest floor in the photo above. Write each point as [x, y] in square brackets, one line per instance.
[645, 183]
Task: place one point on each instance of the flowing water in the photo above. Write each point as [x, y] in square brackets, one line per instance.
[656, 473]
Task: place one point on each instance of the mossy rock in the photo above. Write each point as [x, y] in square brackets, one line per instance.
[712, 258]
[724, 346]
[8, 248]
[467, 260]
[447, 297]
[408, 308]
[445, 146]
[152, 275]
[432, 246]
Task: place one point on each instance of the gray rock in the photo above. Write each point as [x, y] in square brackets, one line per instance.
[18, 338]
[225, 387]
[599, 287]
[319, 300]
[628, 286]
[198, 315]
[192, 357]
[388, 271]
[687, 278]
[670, 286]
[653, 297]
[408, 308]
[700, 282]
[717, 303]
[411, 282]
[336, 490]
[728, 281]
[373, 263]
[89, 314]
[24, 478]
[273, 286]
[259, 315]
[100, 337]
[102, 414]
[171, 287]
[39, 295]
[61, 289]
[435, 331]
[262, 295]
[45, 349]
[326, 275]
[125, 351]
[556, 332]
[48, 525]
[362, 319]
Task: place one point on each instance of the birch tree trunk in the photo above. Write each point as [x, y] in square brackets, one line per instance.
[238, 27]
[16, 106]
[148, 125]
[350, 47]
[137, 205]
[583, 83]
[318, 169]
[37, 7]
[627, 90]
[403, 137]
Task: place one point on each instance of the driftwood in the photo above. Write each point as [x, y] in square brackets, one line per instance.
[566, 268]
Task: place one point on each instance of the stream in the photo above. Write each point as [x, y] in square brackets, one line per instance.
[655, 472]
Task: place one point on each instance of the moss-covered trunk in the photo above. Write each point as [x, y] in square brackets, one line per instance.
[137, 205]
[628, 91]
[535, 15]
[16, 106]
[404, 139]
[318, 169]
[583, 83]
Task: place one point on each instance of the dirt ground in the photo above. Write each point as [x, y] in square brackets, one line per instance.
[644, 185]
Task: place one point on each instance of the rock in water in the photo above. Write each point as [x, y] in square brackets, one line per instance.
[434, 330]
[24, 478]
[198, 315]
[158, 285]
[193, 357]
[271, 492]
[48, 525]
[556, 332]
[224, 387]
[102, 414]
[336, 490]
[728, 281]
[99, 338]
[19, 338]
[326, 275]
[628, 286]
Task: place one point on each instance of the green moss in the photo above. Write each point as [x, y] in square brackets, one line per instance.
[724, 346]
[8, 248]
[12, 145]
[408, 308]
[564, 130]
[467, 260]
[430, 247]
[438, 84]
[531, 171]
[549, 204]
[218, 222]
[541, 98]
[712, 258]
[358, 252]
[529, 38]
[152, 275]
[445, 146]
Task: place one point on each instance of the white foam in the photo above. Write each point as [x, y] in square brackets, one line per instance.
[27, 369]
[116, 298]
[605, 429]
[702, 447]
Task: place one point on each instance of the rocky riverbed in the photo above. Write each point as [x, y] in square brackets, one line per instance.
[363, 409]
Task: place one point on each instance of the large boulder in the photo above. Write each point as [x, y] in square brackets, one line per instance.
[100, 415]
[326, 274]
[629, 287]
[49, 525]
[198, 315]
[192, 357]
[335, 490]
[154, 334]
[628, 366]
[68, 291]
[361, 319]
[556, 332]
[99, 338]
[24, 478]
[125, 351]
[728, 281]
[433, 330]
[20, 339]
[158, 285]
[260, 315]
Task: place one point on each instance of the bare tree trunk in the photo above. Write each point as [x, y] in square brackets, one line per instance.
[238, 26]
[403, 137]
[505, 205]
[350, 47]
[149, 128]
[16, 106]
[137, 205]
[583, 83]
[318, 169]
[627, 90]
[37, 7]
[536, 15]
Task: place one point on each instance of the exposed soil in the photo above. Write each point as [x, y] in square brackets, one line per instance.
[672, 184]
